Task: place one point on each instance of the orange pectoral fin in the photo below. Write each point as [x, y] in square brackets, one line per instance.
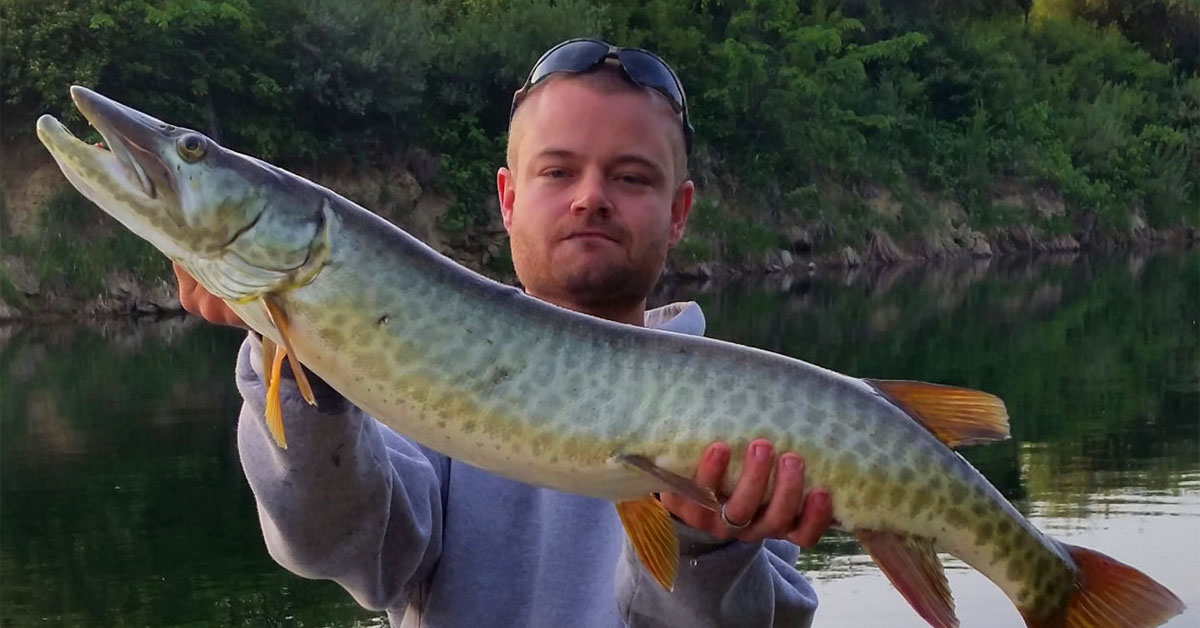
[912, 565]
[1109, 594]
[956, 416]
[280, 321]
[652, 535]
[274, 405]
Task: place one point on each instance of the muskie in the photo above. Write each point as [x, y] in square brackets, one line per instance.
[492, 377]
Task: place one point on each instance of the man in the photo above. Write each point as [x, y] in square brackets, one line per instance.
[594, 195]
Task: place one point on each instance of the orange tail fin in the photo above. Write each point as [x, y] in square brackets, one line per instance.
[1110, 594]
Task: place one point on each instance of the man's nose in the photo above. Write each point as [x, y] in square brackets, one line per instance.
[591, 194]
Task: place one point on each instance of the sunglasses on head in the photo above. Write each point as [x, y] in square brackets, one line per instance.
[641, 67]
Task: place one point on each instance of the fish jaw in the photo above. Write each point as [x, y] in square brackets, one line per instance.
[114, 182]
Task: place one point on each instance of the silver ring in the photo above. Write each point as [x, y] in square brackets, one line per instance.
[729, 524]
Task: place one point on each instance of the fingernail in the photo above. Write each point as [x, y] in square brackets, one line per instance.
[718, 455]
[761, 451]
[791, 463]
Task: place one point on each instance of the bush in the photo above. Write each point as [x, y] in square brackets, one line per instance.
[948, 96]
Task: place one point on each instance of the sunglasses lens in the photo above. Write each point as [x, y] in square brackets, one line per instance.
[650, 71]
[575, 56]
[581, 55]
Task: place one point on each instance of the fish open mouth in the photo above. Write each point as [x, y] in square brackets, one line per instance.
[111, 155]
[118, 156]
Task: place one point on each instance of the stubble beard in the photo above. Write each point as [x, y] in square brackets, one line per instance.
[614, 286]
[597, 286]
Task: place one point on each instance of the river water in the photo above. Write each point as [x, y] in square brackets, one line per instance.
[122, 501]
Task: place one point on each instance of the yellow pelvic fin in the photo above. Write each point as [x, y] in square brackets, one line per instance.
[912, 565]
[652, 534]
[677, 483]
[274, 405]
[279, 319]
[956, 416]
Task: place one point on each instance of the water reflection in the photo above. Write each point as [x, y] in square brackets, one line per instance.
[124, 504]
[123, 499]
[1098, 361]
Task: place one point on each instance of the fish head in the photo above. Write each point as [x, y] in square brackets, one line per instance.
[241, 226]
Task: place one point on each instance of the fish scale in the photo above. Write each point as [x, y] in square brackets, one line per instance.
[543, 395]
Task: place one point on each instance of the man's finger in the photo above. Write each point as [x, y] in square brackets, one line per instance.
[815, 519]
[711, 470]
[187, 288]
[181, 275]
[748, 494]
[708, 474]
[212, 312]
[780, 514]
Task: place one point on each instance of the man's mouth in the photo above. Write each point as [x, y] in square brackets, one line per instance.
[592, 234]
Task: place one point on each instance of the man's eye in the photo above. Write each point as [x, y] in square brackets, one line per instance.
[554, 173]
[634, 179]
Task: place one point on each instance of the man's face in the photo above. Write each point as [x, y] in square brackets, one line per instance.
[592, 205]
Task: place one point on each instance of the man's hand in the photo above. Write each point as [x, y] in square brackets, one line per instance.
[196, 300]
[784, 516]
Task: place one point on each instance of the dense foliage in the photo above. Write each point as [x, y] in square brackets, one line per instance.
[797, 104]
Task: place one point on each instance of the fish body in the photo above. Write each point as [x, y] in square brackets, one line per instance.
[547, 396]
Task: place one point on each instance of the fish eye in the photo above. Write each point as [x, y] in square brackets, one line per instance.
[191, 146]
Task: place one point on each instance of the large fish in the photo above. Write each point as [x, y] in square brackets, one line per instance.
[540, 394]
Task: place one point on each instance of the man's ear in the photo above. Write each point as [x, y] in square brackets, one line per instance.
[681, 207]
[506, 189]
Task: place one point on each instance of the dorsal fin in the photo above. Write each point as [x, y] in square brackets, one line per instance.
[956, 416]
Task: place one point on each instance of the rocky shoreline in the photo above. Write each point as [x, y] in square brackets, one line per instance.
[881, 250]
[126, 297]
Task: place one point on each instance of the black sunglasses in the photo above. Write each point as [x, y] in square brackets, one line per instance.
[641, 67]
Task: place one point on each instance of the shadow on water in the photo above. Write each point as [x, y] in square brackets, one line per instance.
[124, 503]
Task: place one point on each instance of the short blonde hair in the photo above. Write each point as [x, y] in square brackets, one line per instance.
[608, 79]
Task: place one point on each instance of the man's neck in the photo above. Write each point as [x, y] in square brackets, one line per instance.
[631, 314]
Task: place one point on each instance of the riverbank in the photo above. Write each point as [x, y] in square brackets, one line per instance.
[64, 258]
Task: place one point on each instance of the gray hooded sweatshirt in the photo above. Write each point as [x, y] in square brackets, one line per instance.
[438, 543]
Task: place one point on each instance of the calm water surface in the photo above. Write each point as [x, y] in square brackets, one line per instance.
[122, 502]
